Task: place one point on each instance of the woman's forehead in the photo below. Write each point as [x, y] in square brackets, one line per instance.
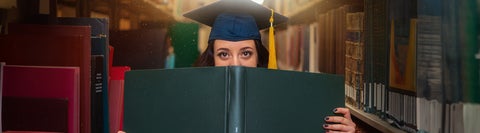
[233, 44]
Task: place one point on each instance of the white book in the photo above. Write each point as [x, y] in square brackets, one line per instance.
[471, 119]
[313, 60]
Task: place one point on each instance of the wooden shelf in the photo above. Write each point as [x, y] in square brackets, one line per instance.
[300, 11]
[373, 121]
[308, 12]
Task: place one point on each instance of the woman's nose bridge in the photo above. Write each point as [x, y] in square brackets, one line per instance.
[235, 61]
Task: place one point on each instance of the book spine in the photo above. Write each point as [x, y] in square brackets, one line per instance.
[2, 64]
[97, 94]
[236, 100]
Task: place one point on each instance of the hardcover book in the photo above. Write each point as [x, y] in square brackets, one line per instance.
[37, 94]
[229, 99]
[52, 45]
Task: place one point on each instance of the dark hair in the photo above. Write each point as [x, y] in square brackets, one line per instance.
[206, 58]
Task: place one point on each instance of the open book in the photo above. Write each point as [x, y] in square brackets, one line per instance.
[229, 99]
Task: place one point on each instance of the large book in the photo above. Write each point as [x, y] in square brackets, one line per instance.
[97, 30]
[99, 40]
[42, 82]
[229, 99]
[100, 49]
[56, 46]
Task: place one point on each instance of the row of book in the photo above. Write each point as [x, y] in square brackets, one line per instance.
[46, 98]
[315, 47]
[354, 59]
[414, 64]
[67, 65]
[418, 65]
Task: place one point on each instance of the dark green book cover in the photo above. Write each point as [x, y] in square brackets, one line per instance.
[229, 99]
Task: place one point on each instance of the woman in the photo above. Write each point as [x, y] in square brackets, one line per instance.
[235, 41]
[251, 53]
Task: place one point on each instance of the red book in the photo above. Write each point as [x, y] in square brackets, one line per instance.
[2, 64]
[53, 50]
[64, 46]
[115, 97]
[46, 82]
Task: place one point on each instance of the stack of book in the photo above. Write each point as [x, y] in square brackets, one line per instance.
[354, 61]
[65, 66]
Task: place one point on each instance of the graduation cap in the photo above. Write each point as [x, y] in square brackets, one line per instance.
[237, 20]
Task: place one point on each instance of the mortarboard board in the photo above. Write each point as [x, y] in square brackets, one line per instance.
[234, 17]
[236, 20]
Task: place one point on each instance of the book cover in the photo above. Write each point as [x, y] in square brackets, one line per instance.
[45, 82]
[229, 99]
[53, 50]
[100, 42]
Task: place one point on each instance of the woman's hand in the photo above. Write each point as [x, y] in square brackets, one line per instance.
[338, 123]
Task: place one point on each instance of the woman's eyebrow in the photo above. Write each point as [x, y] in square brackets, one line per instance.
[224, 49]
[245, 48]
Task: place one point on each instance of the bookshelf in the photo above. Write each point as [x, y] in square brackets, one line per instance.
[435, 96]
[373, 121]
[329, 35]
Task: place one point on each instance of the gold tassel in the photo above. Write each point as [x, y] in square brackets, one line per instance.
[272, 57]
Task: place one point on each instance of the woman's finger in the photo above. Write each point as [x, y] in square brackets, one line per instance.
[339, 120]
[344, 111]
[338, 127]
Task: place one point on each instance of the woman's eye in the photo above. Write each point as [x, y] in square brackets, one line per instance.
[222, 55]
[246, 53]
